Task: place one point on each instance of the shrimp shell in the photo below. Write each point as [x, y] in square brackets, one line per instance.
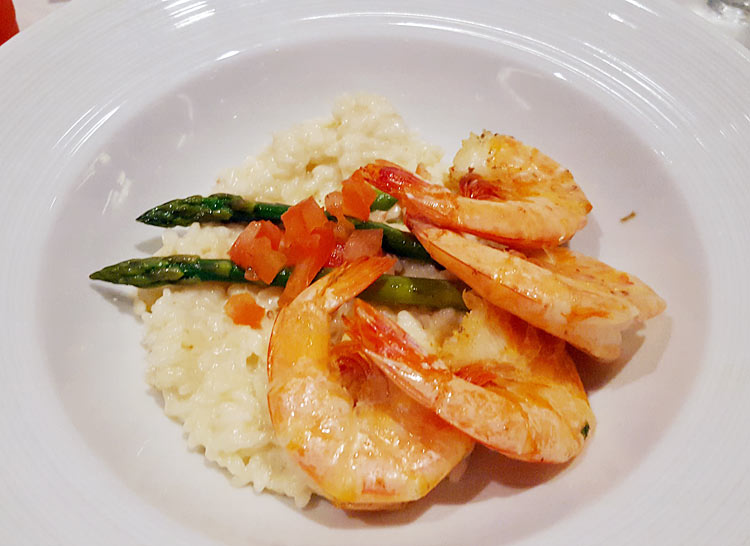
[364, 444]
[506, 384]
[571, 296]
[509, 193]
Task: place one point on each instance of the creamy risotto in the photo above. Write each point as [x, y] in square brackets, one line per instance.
[212, 372]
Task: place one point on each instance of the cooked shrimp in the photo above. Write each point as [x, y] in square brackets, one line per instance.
[586, 302]
[509, 192]
[364, 443]
[507, 384]
[597, 275]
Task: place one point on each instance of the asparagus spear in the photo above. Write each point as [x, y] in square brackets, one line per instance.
[219, 207]
[161, 270]
[383, 201]
[225, 208]
[396, 290]
[188, 269]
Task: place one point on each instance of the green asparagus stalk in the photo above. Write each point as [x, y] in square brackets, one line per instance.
[225, 208]
[383, 201]
[396, 290]
[187, 269]
[219, 207]
[161, 270]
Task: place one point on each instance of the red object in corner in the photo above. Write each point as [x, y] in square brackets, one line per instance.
[8, 24]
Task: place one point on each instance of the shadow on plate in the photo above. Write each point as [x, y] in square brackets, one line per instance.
[626, 369]
[115, 295]
[149, 246]
[509, 477]
[485, 467]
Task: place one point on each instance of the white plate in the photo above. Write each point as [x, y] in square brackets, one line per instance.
[107, 108]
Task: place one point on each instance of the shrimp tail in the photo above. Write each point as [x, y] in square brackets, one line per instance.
[529, 406]
[388, 346]
[397, 181]
[364, 445]
[345, 283]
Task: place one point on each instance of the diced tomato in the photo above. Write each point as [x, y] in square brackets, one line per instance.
[272, 232]
[242, 309]
[337, 256]
[358, 196]
[335, 204]
[335, 207]
[325, 245]
[322, 244]
[257, 248]
[300, 222]
[266, 262]
[363, 242]
[342, 230]
[301, 219]
[308, 243]
[299, 249]
[240, 251]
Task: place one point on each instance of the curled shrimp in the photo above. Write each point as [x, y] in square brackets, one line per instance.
[590, 273]
[505, 383]
[574, 297]
[509, 192]
[364, 443]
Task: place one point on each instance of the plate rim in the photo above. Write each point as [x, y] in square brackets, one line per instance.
[79, 14]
